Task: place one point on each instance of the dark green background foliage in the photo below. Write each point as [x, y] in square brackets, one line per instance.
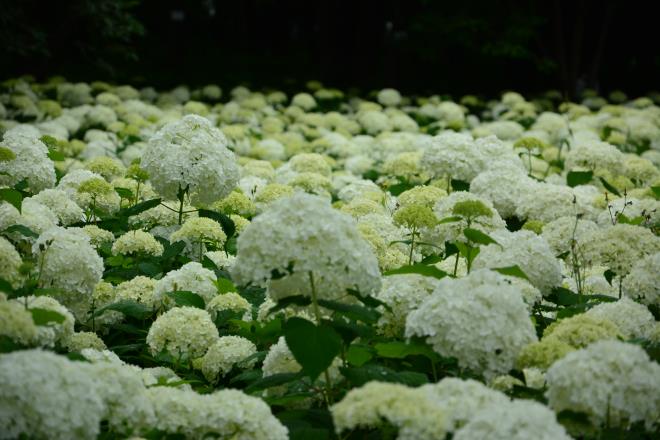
[414, 45]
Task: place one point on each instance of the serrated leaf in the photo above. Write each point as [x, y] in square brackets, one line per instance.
[452, 219]
[575, 178]
[273, 381]
[21, 229]
[609, 275]
[313, 346]
[149, 269]
[358, 355]
[224, 285]
[656, 191]
[183, 298]
[359, 376]
[400, 349]
[130, 308]
[124, 193]
[459, 185]
[609, 187]
[399, 188]
[45, 316]
[226, 223]
[420, 269]
[512, 271]
[368, 300]
[564, 297]
[476, 236]
[5, 286]
[12, 197]
[173, 250]
[353, 311]
[299, 300]
[140, 207]
[55, 155]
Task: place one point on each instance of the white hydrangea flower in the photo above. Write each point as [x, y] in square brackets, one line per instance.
[389, 97]
[129, 409]
[182, 332]
[546, 202]
[609, 381]
[559, 232]
[301, 237]
[137, 242]
[191, 277]
[619, 247]
[593, 155]
[461, 400]
[68, 261]
[526, 250]
[503, 186]
[16, 323]
[140, 289]
[61, 204]
[642, 283]
[82, 340]
[37, 217]
[54, 332]
[47, 396]
[633, 319]
[230, 301]
[225, 414]
[31, 161]
[10, 263]
[191, 154]
[459, 156]
[403, 293]
[414, 414]
[481, 320]
[226, 353]
[516, 420]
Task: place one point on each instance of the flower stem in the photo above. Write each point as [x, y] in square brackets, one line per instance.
[317, 314]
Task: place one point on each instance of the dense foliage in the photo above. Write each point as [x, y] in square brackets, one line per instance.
[178, 265]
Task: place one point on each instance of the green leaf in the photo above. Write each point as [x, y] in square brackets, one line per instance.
[5, 286]
[575, 178]
[368, 300]
[224, 285]
[173, 250]
[459, 185]
[565, 297]
[124, 193]
[477, 236]
[452, 219]
[656, 191]
[45, 316]
[512, 271]
[359, 376]
[609, 275]
[130, 308]
[140, 207]
[314, 347]
[400, 349]
[49, 291]
[299, 300]
[55, 155]
[609, 187]
[398, 188]
[353, 311]
[12, 197]
[420, 269]
[273, 381]
[358, 355]
[149, 269]
[226, 223]
[184, 298]
[23, 230]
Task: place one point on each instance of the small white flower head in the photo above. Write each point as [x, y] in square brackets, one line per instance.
[191, 154]
[228, 352]
[610, 381]
[183, 333]
[137, 243]
[481, 320]
[301, 238]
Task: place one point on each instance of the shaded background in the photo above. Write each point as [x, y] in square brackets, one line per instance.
[417, 46]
